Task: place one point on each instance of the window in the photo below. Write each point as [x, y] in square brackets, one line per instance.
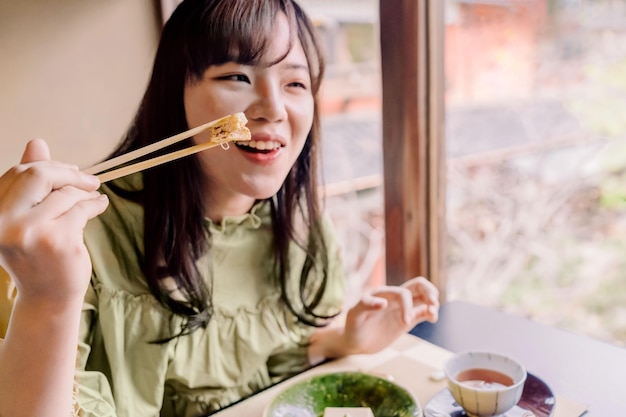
[523, 208]
[535, 109]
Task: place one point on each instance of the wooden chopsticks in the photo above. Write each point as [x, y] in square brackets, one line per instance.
[140, 166]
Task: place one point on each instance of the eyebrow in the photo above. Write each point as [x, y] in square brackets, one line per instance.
[294, 66]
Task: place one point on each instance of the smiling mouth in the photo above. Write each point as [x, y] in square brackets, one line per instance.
[255, 146]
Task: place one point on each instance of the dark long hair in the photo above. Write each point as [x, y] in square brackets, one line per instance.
[199, 34]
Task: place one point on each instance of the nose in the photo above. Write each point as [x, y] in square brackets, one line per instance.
[269, 104]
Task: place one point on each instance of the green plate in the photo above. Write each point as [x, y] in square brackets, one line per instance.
[309, 397]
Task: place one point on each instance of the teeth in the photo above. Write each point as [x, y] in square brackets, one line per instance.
[261, 145]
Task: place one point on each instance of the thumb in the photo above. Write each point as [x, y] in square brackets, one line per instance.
[36, 150]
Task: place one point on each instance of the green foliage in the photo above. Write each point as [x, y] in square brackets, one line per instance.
[610, 293]
[602, 104]
[613, 192]
[361, 37]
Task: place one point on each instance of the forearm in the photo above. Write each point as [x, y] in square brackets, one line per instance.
[38, 359]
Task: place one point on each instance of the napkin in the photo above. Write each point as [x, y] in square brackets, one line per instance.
[348, 412]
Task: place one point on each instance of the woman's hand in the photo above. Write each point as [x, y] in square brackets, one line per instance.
[377, 320]
[386, 313]
[44, 207]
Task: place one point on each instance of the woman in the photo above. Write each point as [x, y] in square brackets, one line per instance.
[211, 277]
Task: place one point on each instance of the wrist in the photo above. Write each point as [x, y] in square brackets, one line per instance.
[328, 343]
[61, 311]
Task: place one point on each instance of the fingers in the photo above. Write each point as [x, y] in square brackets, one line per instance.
[398, 296]
[417, 300]
[71, 201]
[425, 312]
[61, 216]
[44, 207]
[27, 185]
[32, 165]
[414, 301]
[79, 214]
[36, 150]
[370, 301]
[423, 290]
[46, 196]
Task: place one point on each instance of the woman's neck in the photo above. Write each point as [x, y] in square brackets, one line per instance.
[219, 207]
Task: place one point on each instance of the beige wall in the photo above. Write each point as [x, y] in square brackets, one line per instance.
[72, 72]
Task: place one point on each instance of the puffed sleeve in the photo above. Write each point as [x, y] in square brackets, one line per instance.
[92, 393]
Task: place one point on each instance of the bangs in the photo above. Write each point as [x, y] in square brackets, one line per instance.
[233, 31]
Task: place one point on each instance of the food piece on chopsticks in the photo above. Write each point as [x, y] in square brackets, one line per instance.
[348, 412]
[231, 128]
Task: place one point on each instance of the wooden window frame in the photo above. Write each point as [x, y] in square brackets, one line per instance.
[412, 50]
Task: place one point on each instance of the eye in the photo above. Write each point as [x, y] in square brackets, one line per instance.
[298, 84]
[236, 77]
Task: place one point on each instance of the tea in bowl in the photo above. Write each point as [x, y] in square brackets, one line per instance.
[485, 384]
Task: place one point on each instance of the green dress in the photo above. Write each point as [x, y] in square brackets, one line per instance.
[251, 342]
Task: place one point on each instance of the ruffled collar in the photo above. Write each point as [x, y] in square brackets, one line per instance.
[259, 213]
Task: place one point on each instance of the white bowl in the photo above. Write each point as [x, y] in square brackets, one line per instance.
[310, 397]
[486, 393]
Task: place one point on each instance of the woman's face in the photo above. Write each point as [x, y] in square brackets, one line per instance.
[278, 102]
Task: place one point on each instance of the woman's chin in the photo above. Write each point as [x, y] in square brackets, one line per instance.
[264, 193]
